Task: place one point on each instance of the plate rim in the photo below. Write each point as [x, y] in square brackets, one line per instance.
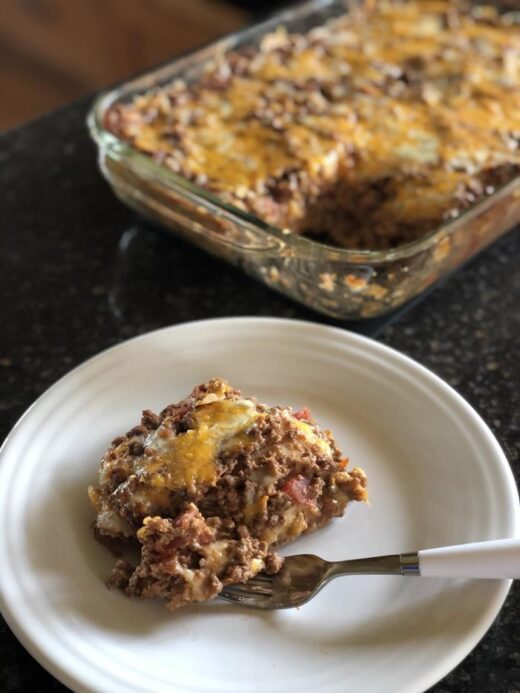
[436, 673]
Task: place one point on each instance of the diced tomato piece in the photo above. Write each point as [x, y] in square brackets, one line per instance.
[296, 487]
[304, 414]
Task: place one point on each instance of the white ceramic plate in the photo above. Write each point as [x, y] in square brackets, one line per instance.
[436, 476]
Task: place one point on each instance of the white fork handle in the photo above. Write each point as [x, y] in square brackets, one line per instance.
[499, 558]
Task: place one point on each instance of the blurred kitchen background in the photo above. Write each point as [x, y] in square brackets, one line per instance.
[54, 51]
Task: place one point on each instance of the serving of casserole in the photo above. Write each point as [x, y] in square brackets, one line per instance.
[210, 487]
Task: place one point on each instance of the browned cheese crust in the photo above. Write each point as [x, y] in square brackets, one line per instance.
[367, 132]
[210, 486]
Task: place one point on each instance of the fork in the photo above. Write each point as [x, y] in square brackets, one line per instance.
[303, 576]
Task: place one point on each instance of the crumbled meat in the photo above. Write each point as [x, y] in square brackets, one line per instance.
[210, 487]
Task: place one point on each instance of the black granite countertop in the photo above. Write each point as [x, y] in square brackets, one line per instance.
[80, 272]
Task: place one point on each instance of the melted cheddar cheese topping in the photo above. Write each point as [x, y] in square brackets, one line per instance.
[178, 461]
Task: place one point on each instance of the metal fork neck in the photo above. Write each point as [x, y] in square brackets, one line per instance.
[395, 564]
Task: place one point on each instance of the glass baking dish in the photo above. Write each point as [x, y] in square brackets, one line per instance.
[342, 283]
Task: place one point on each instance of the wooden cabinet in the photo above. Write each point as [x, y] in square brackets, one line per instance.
[52, 51]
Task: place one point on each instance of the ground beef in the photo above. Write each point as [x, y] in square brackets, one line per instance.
[208, 488]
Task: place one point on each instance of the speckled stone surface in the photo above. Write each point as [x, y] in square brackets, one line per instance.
[79, 272]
